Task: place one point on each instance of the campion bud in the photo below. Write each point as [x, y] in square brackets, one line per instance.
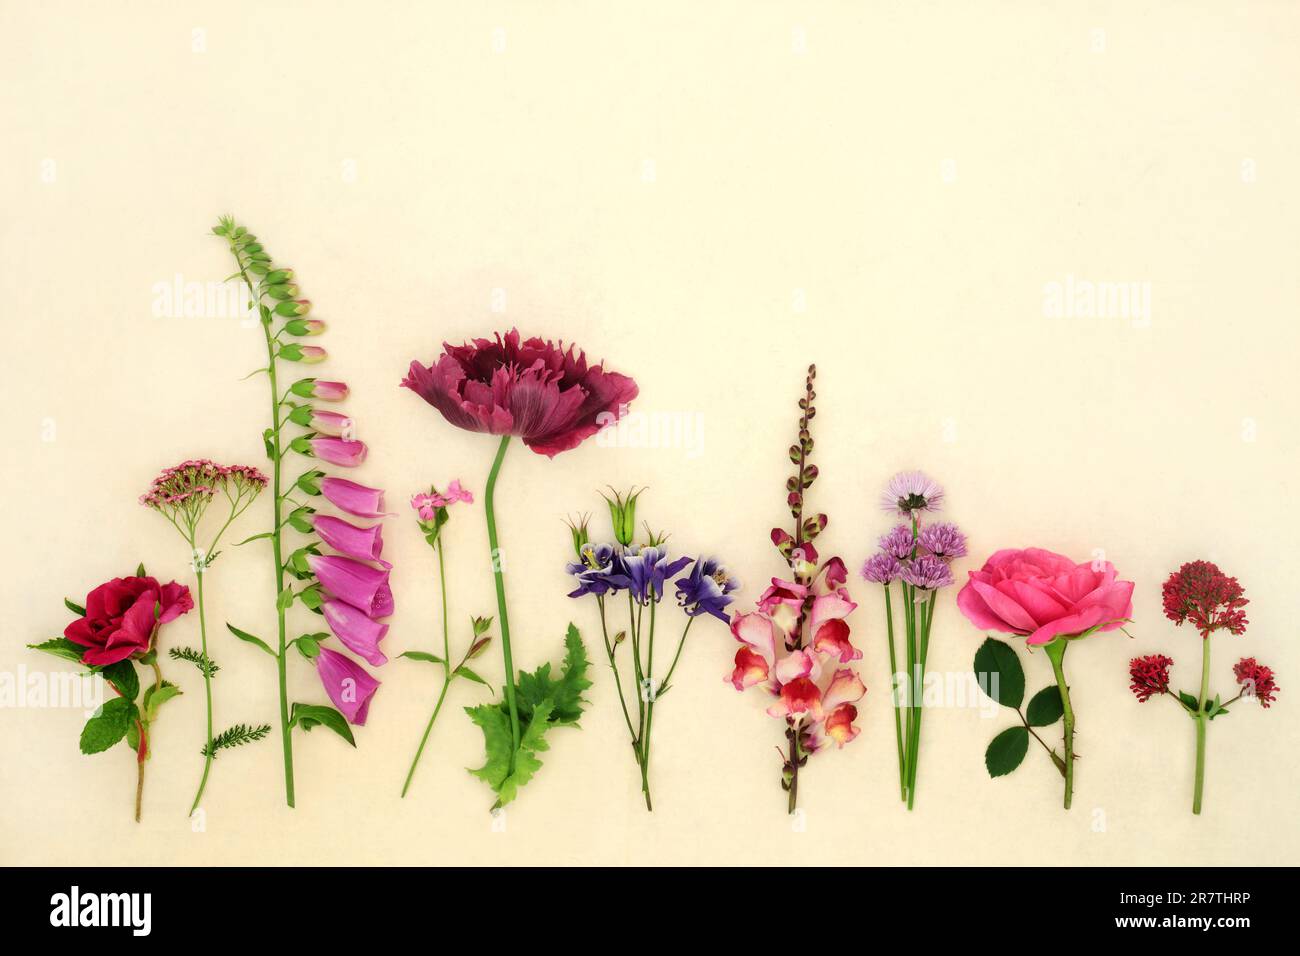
[478, 648]
[304, 327]
[285, 290]
[480, 625]
[292, 307]
[622, 514]
[316, 388]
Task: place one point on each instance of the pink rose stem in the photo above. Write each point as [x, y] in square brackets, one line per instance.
[1201, 722]
[1056, 654]
[142, 754]
[448, 675]
[489, 496]
[277, 504]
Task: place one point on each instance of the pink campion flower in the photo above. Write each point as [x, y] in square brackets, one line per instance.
[1149, 676]
[544, 393]
[1256, 680]
[355, 499]
[346, 538]
[360, 585]
[1042, 595]
[427, 504]
[338, 451]
[358, 632]
[348, 684]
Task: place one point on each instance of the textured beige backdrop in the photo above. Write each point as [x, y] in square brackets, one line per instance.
[710, 196]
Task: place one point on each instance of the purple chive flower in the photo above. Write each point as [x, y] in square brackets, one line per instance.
[644, 572]
[898, 543]
[705, 590]
[911, 491]
[943, 540]
[881, 568]
[599, 563]
[927, 572]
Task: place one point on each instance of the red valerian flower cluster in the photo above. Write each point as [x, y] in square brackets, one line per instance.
[1199, 592]
[1256, 680]
[1149, 676]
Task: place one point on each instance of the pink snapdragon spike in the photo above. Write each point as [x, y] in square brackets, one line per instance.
[338, 451]
[358, 632]
[356, 499]
[348, 684]
[366, 544]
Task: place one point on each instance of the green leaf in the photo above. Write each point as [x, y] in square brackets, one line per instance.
[1006, 751]
[139, 570]
[997, 661]
[565, 694]
[155, 697]
[124, 678]
[283, 602]
[245, 636]
[1191, 701]
[107, 727]
[268, 441]
[256, 537]
[236, 736]
[199, 660]
[60, 647]
[1045, 707]
[76, 609]
[496, 772]
[470, 675]
[133, 733]
[308, 716]
[422, 656]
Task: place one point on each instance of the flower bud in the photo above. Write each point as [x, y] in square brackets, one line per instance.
[285, 290]
[317, 388]
[292, 307]
[622, 514]
[304, 327]
[478, 648]
[578, 530]
[313, 354]
[309, 481]
[279, 276]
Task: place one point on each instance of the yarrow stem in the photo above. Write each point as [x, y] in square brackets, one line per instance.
[489, 494]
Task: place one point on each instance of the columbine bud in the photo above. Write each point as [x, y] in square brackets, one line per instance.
[304, 327]
[578, 529]
[292, 307]
[622, 514]
[620, 637]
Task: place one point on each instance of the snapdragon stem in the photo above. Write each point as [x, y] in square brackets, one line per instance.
[207, 691]
[1056, 654]
[446, 667]
[489, 495]
[893, 676]
[1201, 722]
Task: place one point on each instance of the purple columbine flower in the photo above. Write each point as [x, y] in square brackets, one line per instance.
[881, 568]
[899, 542]
[927, 572]
[909, 492]
[644, 572]
[943, 540]
[599, 564]
[705, 590]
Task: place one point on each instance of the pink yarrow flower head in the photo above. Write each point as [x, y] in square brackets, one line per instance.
[1199, 592]
[1256, 680]
[909, 492]
[1149, 676]
[540, 391]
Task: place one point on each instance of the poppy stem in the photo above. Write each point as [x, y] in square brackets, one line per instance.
[489, 495]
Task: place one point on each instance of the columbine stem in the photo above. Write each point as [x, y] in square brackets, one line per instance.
[618, 681]
[651, 692]
[446, 667]
[1056, 654]
[207, 690]
[489, 494]
[1201, 722]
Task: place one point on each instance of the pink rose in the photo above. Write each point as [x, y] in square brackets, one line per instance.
[1045, 595]
[120, 619]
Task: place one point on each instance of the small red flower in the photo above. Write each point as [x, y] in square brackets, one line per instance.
[1149, 676]
[1199, 592]
[1256, 680]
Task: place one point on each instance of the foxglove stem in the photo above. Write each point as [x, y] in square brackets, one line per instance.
[446, 667]
[1056, 654]
[1201, 722]
[489, 495]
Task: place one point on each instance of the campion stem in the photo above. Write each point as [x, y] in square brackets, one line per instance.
[446, 667]
[207, 692]
[1201, 722]
[1056, 654]
[893, 676]
[489, 494]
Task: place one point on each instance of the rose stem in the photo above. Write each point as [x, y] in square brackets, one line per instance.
[207, 684]
[143, 752]
[1201, 725]
[489, 495]
[893, 671]
[446, 666]
[1056, 654]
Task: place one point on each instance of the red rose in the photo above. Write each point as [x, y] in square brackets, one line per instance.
[120, 619]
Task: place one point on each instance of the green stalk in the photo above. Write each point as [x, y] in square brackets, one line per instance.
[898, 721]
[1201, 722]
[207, 692]
[446, 667]
[909, 622]
[927, 617]
[618, 681]
[650, 708]
[1056, 654]
[489, 495]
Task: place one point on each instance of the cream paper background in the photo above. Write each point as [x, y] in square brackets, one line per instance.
[710, 196]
